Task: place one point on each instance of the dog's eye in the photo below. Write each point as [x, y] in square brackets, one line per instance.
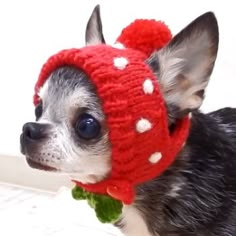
[87, 127]
[38, 111]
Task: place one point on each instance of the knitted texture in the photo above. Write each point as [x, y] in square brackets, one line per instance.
[136, 116]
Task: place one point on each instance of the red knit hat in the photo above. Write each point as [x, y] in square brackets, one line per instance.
[136, 116]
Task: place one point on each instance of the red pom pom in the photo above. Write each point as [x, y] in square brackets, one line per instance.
[145, 35]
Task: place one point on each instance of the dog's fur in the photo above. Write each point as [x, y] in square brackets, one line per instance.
[197, 194]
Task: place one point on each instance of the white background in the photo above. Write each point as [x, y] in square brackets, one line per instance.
[30, 31]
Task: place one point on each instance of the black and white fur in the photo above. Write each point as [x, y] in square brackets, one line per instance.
[197, 194]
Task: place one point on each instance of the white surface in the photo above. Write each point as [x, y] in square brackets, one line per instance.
[28, 212]
[17, 171]
[33, 30]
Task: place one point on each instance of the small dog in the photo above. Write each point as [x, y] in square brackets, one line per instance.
[197, 194]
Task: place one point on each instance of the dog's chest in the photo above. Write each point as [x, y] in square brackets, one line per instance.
[133, 223]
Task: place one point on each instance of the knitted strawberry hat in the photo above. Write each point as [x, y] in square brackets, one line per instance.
[142, 145]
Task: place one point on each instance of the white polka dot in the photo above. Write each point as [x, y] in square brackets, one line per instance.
[143, 125]
[183, 144]
[120, 63]
[190, 115]
[118, 45]
[148, 87]
[155, 157]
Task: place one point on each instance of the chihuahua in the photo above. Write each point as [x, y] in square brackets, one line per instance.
[196, 195]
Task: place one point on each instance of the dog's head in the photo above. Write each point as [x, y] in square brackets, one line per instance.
[70, 134]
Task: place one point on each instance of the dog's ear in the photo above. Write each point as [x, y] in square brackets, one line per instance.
[94, 33]
[184, 66]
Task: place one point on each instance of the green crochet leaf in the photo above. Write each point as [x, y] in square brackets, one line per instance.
[108, 210]
[78, 193]
[91, 200]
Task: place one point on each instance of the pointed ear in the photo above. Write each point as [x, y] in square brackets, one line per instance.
[184, 66]
[94, 33]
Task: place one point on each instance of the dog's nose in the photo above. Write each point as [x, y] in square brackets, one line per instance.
[34, 131]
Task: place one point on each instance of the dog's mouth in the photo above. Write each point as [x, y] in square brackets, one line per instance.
[39, 166]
